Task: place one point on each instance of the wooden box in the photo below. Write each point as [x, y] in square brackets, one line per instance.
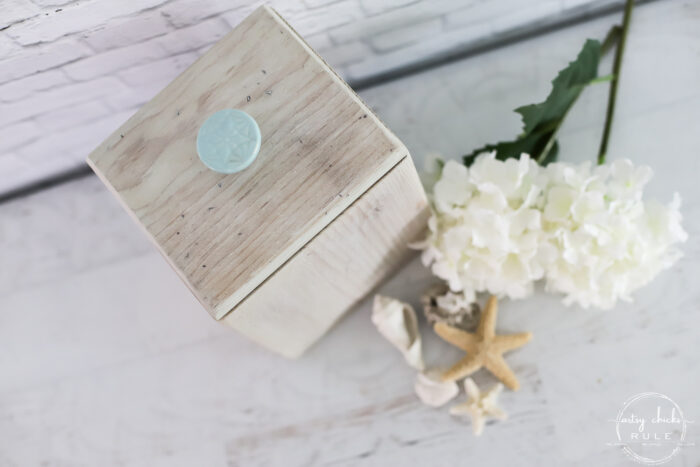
[280, 250]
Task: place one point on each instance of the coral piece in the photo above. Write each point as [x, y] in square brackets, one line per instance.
[440, 305]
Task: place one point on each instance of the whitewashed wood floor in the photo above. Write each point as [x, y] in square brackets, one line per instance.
[106, 359]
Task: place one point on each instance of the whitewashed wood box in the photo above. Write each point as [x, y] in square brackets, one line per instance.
[280, 250]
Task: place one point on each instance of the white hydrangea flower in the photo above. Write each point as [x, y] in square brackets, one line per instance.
[609, 241]
[485, 230]
[499, 226]
[432, 171]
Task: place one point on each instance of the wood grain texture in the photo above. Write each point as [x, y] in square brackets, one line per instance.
[321, 149]
[333, 272]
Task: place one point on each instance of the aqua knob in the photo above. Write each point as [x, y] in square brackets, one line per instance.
[228, 141]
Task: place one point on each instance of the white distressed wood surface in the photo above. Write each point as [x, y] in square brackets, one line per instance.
[106, 359]
[230, 237]
[300, 302]
[225, 234]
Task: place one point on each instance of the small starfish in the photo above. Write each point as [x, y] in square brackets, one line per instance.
[484, 348]
[480, 407]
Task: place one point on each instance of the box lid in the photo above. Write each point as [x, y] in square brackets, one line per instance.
[321, 149]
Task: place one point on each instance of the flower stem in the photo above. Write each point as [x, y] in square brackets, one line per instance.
[611, 38]
[617, 65]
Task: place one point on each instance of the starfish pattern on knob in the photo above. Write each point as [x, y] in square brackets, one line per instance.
[233, 139]
[228, 141]
[484, 348]
[480, 407]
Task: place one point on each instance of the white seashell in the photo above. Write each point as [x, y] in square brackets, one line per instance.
[432, 391]
[397, 322]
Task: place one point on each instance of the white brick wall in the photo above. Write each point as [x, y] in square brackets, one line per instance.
[72, 70]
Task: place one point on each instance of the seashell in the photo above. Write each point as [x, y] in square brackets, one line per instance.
[397, 322]
[432, 390]
[440, 305]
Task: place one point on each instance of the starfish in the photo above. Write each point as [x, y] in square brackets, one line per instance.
[480, 407]
[484, 348]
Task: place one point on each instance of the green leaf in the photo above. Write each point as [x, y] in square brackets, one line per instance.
[565, 88]
[541, 122]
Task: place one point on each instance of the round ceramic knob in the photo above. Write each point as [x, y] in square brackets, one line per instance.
[228, 141]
